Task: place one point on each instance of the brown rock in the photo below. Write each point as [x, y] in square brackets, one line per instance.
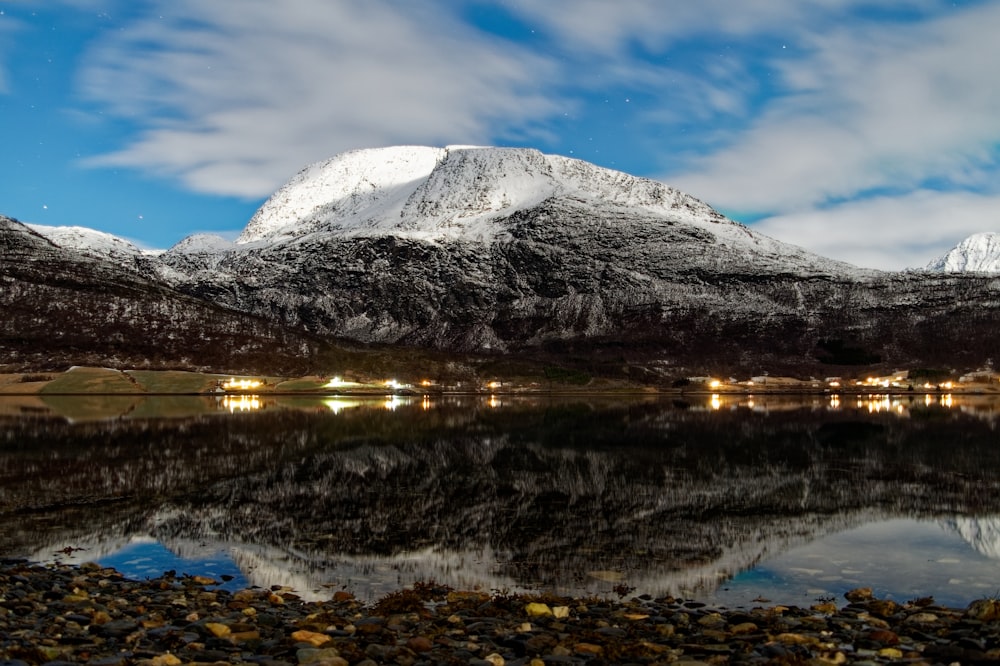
[883, 608]
[420, 644]
[314, 638]
[743, 628]
[984, 610]
[859, 594]
[588, 649]
[219, 630]
[884, 636]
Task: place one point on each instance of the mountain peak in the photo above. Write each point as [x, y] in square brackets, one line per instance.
[978, 253]
[447, 193]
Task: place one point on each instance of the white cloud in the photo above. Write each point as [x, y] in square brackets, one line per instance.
[8, 29]
[235, 101]
[888, 233]
[887, 107]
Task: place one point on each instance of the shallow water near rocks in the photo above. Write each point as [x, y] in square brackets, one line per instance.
[722, 499]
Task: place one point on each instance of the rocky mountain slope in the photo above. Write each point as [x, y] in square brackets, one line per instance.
[978, 253]
[73, 304]
[510, 250]
[540, 257]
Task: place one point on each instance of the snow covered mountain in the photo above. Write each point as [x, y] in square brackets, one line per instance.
[487, 250]
[482, 194]
[977, 253]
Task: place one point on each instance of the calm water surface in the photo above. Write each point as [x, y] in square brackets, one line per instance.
[730, 501]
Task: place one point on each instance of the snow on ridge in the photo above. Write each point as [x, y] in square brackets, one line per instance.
[201, 244]
[89, 241]
[977, 253]
[343, 186]
[452, 192]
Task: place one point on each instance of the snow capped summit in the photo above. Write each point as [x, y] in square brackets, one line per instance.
[348, 185]
[977, 253]
[458, 192]
[90, 242]
[201, 243]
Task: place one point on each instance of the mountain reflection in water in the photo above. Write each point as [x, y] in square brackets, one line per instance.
[722, 497]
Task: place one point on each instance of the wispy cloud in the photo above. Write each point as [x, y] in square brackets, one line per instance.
[888, 233]
[233, 102]
[867, 110]
[8, 28]
[814, 115]
[862, 131]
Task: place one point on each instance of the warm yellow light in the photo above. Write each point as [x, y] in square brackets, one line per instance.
[835, 384]
[494, 385]
[716, 401]
[715, 383]
[243, 403]
[242, 384]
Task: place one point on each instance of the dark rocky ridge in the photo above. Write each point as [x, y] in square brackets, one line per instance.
[62, 308]
[565, 284]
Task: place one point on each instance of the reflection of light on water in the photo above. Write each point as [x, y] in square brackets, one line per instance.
[716, 401]
[394, 401]
[337, 405]
[242, 403]
[493, 402]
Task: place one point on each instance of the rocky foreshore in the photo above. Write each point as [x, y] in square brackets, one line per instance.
[57, 614]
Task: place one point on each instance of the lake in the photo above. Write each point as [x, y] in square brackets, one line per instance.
[729, 500]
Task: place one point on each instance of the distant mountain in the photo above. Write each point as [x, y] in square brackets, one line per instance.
[510, 252]
[979, 253]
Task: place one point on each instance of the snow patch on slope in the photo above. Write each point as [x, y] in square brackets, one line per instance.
[977, 253]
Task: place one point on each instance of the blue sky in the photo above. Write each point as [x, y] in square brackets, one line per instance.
[867, 131]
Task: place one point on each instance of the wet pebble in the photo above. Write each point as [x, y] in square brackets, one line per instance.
[88, 614]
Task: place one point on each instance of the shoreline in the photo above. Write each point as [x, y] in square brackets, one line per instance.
[90, 614]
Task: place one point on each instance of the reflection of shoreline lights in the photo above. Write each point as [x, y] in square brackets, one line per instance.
[337, 405]
[494, 403]
[242, 403]
[394, 401]
[834, 401]
[716, 401]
